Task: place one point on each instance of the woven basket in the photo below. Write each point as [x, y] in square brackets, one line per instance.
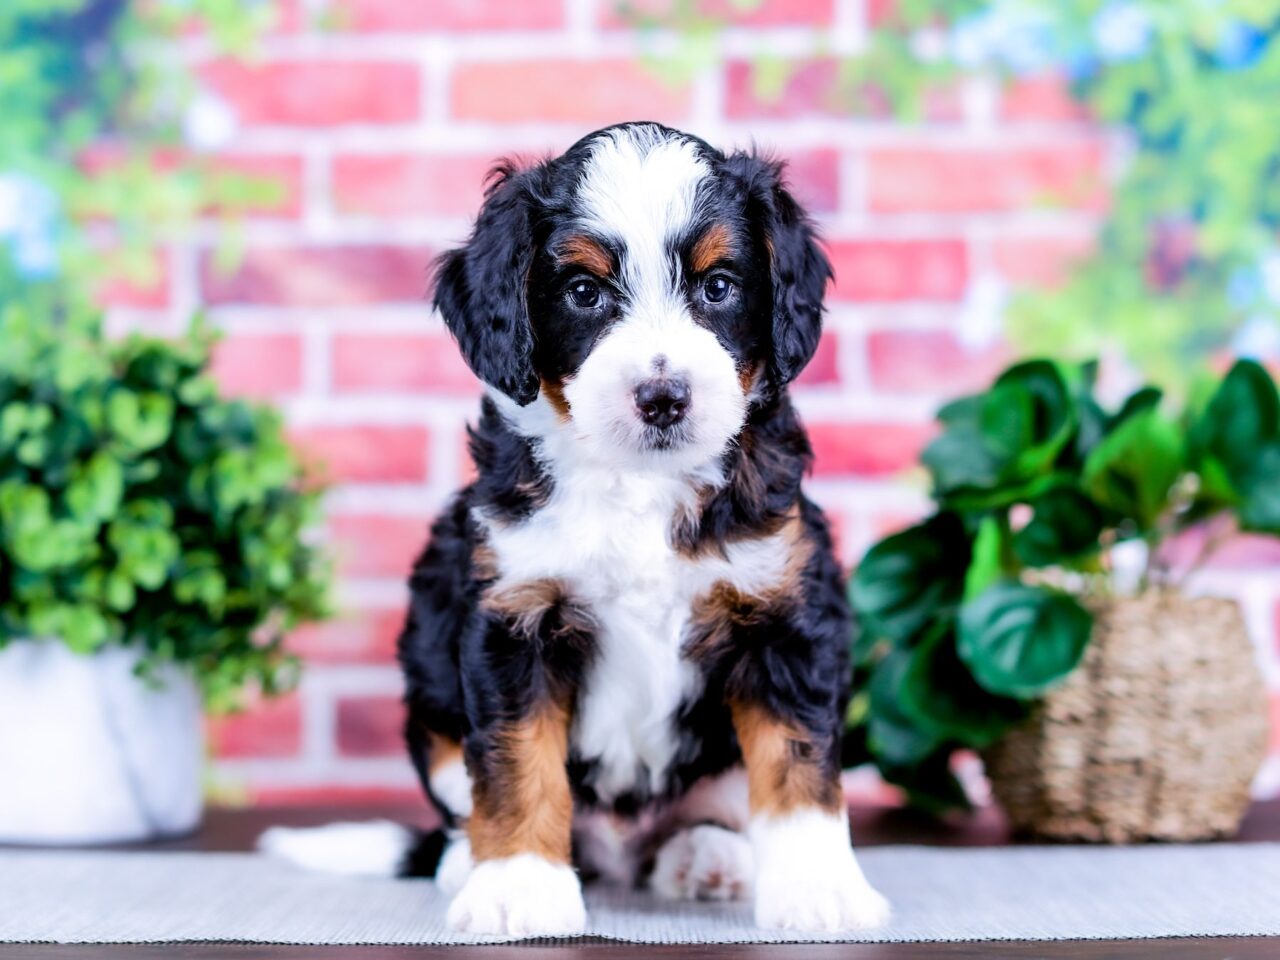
[1156, 736]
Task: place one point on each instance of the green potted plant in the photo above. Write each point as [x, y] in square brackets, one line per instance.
[152, 554]
[1039, 617]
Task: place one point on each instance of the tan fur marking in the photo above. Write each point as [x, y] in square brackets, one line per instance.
[441, 751]
[724, 606]
[785, 771]
[554, 392]
[747, 378]
[524, 605]
[484, 562]
[524, 806]
[712, 247]
[586, 253]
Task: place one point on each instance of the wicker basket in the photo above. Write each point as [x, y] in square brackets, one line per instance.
[1156, 736]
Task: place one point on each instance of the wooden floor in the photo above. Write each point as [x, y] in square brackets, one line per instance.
[236, 830]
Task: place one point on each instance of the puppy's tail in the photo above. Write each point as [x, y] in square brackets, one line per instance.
[374, 848]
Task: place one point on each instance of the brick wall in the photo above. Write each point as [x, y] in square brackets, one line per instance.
[380, 127]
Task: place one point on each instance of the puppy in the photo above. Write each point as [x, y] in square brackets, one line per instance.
[626, 654]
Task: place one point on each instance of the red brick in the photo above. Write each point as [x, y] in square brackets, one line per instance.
[319, 276]
[1245, 551]
[367, 453]
[899, 269]
[409, 185]
[813, 177]
[268, 728]
[147, 290]
[376, 545]
[277, 177]
[287, 16]
[407, 16]
[824, 368]
[1275, 721]
[376, 363]
[370, 726]
[565, 91]
[879, 12]
[964, 181]
[1042, 99]
[318, 93]
[867, 448]
[259, 365]
[810, 88]
[814, 88]
[364, 636]
[1039, 261]
[765, 13]
[327, 797]
[929, 361]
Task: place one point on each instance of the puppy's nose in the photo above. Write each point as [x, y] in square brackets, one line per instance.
[663, 401]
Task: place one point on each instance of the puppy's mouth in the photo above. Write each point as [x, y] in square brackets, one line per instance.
[660, 439]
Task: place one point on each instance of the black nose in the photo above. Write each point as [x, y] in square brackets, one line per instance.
[663, 401]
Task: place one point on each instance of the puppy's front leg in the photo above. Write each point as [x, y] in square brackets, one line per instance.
[807, 877]
[520, 828]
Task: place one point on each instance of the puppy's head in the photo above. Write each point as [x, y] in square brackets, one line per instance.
[644, 287]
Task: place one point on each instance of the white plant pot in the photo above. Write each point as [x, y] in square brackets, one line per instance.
[91, 754]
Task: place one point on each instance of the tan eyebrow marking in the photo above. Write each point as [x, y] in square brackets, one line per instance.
[712, 247]
[586, 253]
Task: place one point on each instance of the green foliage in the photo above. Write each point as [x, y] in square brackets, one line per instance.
[87, 111]
[138, 507]
[970, 616]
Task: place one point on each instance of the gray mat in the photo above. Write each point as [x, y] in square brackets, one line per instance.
[1021, 893]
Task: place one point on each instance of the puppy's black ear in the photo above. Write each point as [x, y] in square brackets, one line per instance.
[799, 270]
[481, 289]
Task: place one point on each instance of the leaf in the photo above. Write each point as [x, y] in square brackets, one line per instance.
[1260, 511]
[987, 565]
[1064, 524]
[1148, 398]
[940, 696]
[97, 488]
[929, 784]
[997, 444]
[1241, 418]
[892, 737]
[1020, 640]
[909, 578]
[1133, 469]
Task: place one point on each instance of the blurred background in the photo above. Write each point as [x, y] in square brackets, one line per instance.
[1075, 179]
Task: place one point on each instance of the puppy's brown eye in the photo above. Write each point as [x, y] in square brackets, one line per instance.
[717, 288]
[584, 294]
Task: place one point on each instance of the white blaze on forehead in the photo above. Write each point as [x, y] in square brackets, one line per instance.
[640, 188]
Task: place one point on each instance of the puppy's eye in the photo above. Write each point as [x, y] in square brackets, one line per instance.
[584, 294]
[716, 288]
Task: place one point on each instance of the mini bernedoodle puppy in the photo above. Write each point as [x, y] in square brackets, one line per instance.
[626, 655]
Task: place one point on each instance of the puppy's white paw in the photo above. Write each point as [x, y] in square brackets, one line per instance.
[704, 863]
[820, 903]
[808, 878]
[455, 866]
[521, 896]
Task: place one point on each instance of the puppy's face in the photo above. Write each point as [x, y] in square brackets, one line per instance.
[645, 287]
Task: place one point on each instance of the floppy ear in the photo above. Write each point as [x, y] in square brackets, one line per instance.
[481, 290]
[798, 269]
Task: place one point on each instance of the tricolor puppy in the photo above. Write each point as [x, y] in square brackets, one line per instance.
[627, 650]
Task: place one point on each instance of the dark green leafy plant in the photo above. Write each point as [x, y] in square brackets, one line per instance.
[967, 618]
[138, 507]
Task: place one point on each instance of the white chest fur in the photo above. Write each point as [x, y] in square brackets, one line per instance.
[606, 535]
